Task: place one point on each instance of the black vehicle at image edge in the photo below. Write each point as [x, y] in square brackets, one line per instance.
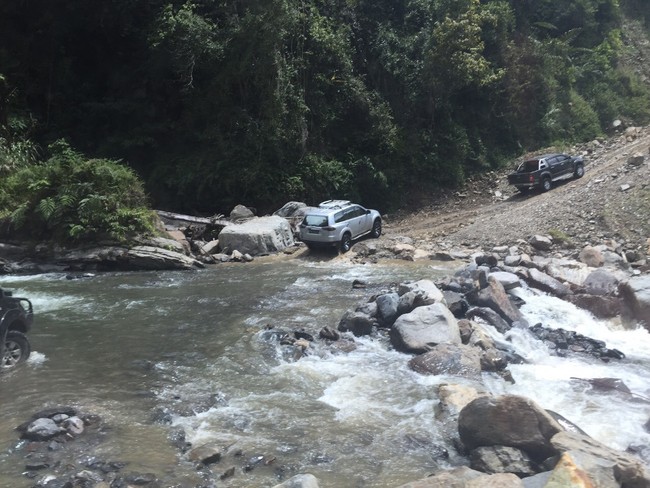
[16, 319]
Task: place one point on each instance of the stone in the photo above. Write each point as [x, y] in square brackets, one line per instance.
[507, 280]
[627, 469]
[592, 257]
[300, 481]
[603, 307]
[541, 243]
[241, 212]
[156, 258]
[448, 359]
[501, 459]
[496, 298]
[453, 398]
[42, 429]
[426, 289]
[544, 282]
[423, 328]
[358, 323]
[211, 247]
[636, 297]
[262, 235]
[508, 420]
[73, 425]
[387, 309]
[464, 477]
[206, 454]
[600, 282]
[490, 316]
[636, 159]
[292, 209]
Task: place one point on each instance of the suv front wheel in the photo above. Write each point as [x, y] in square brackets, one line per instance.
[346, 242]
[376, 228]
[17, 349]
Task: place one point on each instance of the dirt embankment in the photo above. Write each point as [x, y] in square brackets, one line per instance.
[611, 202]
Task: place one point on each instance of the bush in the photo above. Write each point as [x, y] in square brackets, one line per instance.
[72, 199]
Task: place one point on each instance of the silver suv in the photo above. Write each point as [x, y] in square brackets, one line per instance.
[337, 223]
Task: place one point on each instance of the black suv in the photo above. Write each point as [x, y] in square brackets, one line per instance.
[16, 318]
[542, 171]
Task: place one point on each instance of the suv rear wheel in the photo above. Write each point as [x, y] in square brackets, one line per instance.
[346, 242]
[546, 184]
[580, 171]
[17, 349]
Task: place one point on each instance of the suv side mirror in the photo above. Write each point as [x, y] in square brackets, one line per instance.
[367, 211]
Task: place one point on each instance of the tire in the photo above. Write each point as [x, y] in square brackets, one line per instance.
[346, 242]
[546, 184]
[17, 349]
[376, 228]
[579, 172]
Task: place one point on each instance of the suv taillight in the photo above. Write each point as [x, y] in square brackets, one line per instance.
[329, 229]
[531, 178]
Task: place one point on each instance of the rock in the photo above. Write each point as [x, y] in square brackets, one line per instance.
[512, 260]
[358, 323]
[636, 159]
[501, 459]
[496, 298]
[425, 289]
[489, 316]
[464, 477]
[567, 270]
[178, 243]
[329, 333]
[600, 306]
[592, 257]
[257, 236]
[508, 420]
[600, 282]
[572, 474]
[211, 247]
[453, 398]
[456, 303]
[206, 454]
[541, 243]
[448, 359]
[507, 280]
[423, 328]
[156, 258]
[240, 212]
[387, 309]
[544, 282]
[73, 425]
[300, 481]
[628, 470]
[42, 429]
[292, 209]
[636, 297]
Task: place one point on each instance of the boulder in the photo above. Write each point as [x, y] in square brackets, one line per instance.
[508, 420]
[292, 209]
[257, 236]
[42, 429]
[575, 473]
[592, 257]
[507, 280]
[636, 159]
[600, 306]
[496, 298]
[464, 477]
[211, 247]
[448, 359]
[453, 398]
[627, 469]
[423, 328]
[567, 270]
[600, 282]
[387, 309]
[544, 282]
[426, 289]
[156, 258]
[358, 323]
[636, 297]
[240, 212]
[206, 454]
[489, 316]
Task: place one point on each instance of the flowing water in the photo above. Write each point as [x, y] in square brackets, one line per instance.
[125, 345]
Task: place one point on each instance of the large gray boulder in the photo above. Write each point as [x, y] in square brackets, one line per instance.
[544, 282]
[423, 328]
[508, 420]
[300, 481]
[263, 235]
[636, 296]
[496, 298]
[449, 359]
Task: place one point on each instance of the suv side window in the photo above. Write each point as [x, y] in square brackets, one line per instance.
[340, 216]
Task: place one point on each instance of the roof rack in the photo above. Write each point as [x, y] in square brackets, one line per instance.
[334, 203]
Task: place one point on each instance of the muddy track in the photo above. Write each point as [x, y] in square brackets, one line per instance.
[476, 213]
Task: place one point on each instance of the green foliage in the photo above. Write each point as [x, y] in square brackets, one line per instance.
[70, 198]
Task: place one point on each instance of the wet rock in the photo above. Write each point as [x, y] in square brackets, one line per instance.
[489, 260]
[563, 340]
[358, 323]
[261, 235]
[329, 333]
[496, 298]
[507, 280]
[493, 360]
[418, 331]
[229, 473]
[427, 290]
[42, 429]
[489, 316]
[636, 297]
[508, 420]
[603, 307]
[501, 459]
[73, 426]
[544, 282]
[206, 454]
[453, 398]
[627, 469]
[448, 359]
[387, 309]
[464, 477]
[600, 282]
[300, 481]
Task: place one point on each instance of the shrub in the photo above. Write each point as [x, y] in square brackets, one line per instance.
[71, 199]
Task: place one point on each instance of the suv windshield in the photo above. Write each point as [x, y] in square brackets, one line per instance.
[316, 220]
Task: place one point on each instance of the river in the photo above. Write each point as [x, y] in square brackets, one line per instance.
[126, 345]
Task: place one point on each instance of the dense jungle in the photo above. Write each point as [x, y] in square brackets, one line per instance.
[110, 108]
